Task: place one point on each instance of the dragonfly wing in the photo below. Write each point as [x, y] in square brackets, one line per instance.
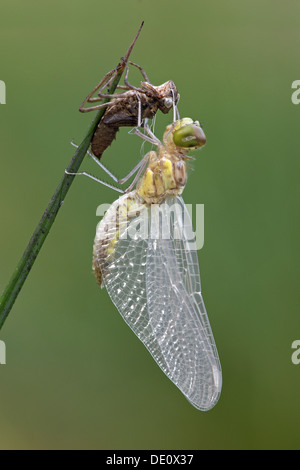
[155, 285]
[124, 271]
[177, 312]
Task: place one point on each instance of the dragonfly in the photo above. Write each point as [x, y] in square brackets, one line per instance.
[144, 257]
[130, 108]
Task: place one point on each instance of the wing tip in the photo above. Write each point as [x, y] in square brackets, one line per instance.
[207, 399]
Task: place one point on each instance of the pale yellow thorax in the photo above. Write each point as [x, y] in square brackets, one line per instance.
[166, 173]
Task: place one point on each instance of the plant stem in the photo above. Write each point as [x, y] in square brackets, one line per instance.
[25, 264]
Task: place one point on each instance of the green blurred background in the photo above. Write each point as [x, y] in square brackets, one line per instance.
[76, 376]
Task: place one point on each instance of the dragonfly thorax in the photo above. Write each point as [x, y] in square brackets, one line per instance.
[165, 175]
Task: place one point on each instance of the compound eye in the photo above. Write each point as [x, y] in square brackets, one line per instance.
[189, 136]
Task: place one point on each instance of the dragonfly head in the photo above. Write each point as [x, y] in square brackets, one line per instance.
[185, 134]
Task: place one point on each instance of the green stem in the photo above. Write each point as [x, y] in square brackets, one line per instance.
[25, 264]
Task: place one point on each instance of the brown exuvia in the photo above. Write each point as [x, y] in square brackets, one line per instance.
[127, 109]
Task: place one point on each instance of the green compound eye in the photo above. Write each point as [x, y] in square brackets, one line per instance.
[189, 136]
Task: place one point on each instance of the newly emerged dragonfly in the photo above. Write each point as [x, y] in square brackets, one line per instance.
[130, 108]
[144, 257]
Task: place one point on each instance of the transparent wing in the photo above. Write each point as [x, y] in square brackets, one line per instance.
[176, 309]
[154, 281]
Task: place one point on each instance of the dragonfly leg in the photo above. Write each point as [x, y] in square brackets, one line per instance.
[151, 135]
[111, 175]
[146, 137]
[95, 179]
[144, 163]
[141, 166]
